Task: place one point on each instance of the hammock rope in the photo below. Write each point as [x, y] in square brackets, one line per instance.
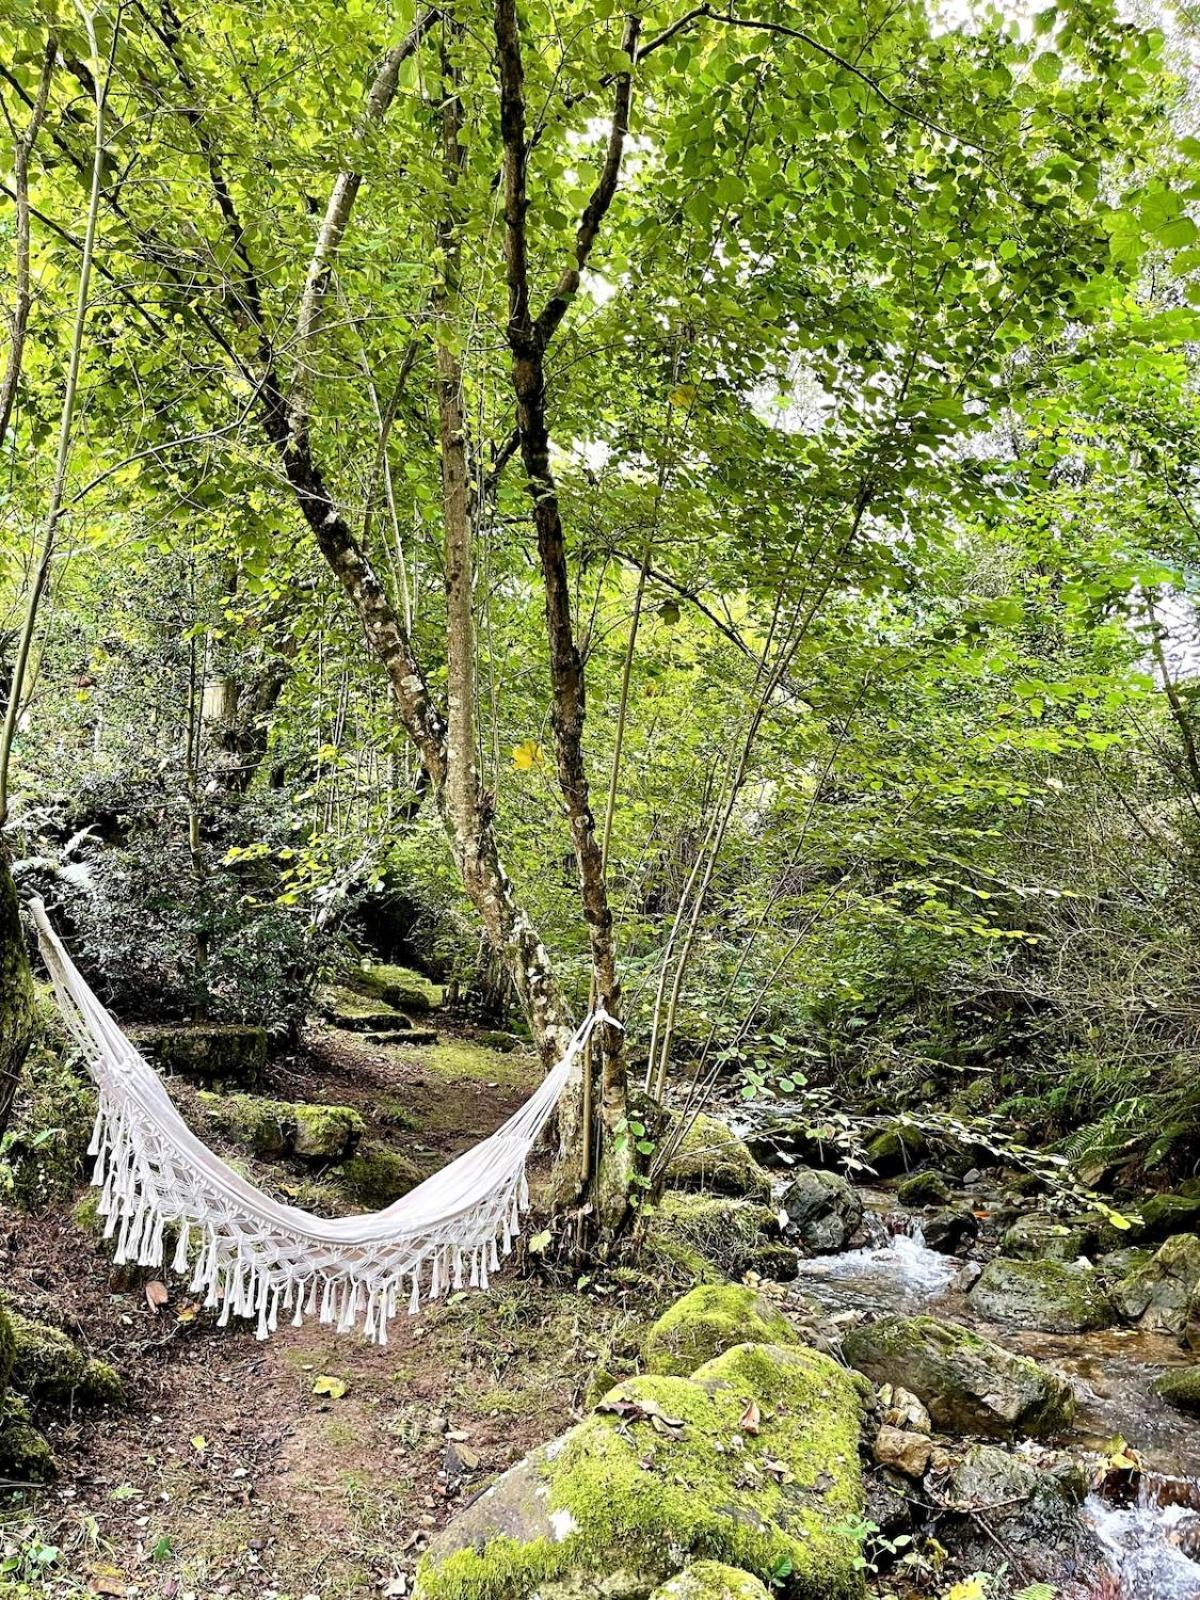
[257, 1257]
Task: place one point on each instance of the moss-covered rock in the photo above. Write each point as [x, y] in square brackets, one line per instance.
[923, 1189]
[968, 1384]
[229, 1053]
[1180, 1388]
[25, 1457]
[8, 1349]
[712, 1158]
[49, 1366]
[1039, 1237]
[399, 987]
[651, 1479]
[375, 1176]
[947, 1231]
[1163, 1215]
[1163, 1295]
[712, 1580]
[701, 1236]
[712, 1318]
[897, 1148]
[1026, 1508]
[823, 1207]
[53, 1114]
[358, 1013]
[1047, 1295]
[274, 1129]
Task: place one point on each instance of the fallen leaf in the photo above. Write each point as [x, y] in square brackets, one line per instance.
[644, 1411]
[750, 1419]
[199, 1442]
[335, 1388]
[156, 1295]
[187, 1313]
[457, 1435]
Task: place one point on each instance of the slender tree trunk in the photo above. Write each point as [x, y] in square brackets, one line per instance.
[16, 991]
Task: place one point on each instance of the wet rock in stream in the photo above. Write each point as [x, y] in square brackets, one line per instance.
[824, 1209]
[1045, 1295]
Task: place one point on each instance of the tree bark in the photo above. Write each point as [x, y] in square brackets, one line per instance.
[16, 991]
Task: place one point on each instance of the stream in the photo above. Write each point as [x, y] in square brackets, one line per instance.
[1152, 1543]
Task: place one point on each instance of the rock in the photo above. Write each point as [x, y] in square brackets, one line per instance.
[51, 1126]
[897, 1148]
[1118, 1264]
[700, 1236]
[233, 1053]
[398, 987]
[712, 1580]
[1024, 1509]
[903, 1409]
[635, 1489]
[781, 1139]
[1163, 1215]
[712, 1159]
[1039, 1237]
[923, 1189]
[25, 1457]
[969, 1384]
[275, 1129]
[948, 1231]
[1046, 1295]
[1181, 1389]
[903, 1452]
[48, 1366]
[375, 1176]
[971, 1176]
[967, 1277]
[712, 1318]
[1162, 1296]
[825, 1210]
[358, 1013]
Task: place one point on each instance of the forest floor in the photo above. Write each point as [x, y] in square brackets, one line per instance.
[225, 1474]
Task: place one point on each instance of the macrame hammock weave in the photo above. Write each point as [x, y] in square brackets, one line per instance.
[254, 1256]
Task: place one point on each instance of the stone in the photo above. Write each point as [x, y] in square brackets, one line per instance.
[1162, 1295]
[897, 1148]
[967, 1277]
[902, 1451]
[1181, 1389]
[653, 1478]
[824, 1209]
[25, 1457]
[232, 1053]
[951, 1230]
[47, 1365]
[1163, 1215]
[358, 1013]
[276, 1129]
[969, 1384]
[903, 1409]
[708, 1320]
[923, 1189]
[375, 1176]
[778, 1138]
[712, 1159]
[1039, 1237]
[1004, 1499]
[712, 1580]
[398, 987]
[711, 1236]
[1046, 1295]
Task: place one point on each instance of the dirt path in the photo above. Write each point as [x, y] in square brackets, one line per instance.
[226, 1475]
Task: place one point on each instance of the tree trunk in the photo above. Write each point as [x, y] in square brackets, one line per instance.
[16, 991]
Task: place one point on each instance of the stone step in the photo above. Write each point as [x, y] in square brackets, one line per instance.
[413, 1036]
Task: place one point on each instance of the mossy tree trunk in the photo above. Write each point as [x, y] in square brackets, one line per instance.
[16, 991]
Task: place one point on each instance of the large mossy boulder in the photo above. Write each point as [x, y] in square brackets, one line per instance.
[1181, 1389]
[227, 1053]
[712, 1580]
[398, 987]
[375, 1176]
[1163, 1215]
[53, 1115]
[897, 1148]
[968, 1384]
[1039, 1237]
[927, 1188]
[1047, 1295]
[701, 1236]
[712, 1318]
[824, 1208]
[1163, 1295]
[712, 1159]
[618, 1503]
[25, 1457]
[358, 1013]
[274, 1129]
[49, 1366]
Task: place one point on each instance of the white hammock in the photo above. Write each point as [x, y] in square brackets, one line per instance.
[256, 1257]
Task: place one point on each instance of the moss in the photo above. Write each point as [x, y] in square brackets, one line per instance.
[24, 1455]
[712, 1580]
[375, 1176]
[17, 1001]
[897, 1148]
[621, 1496]
[1046, 1295]
[700, 1237]
[272, 1129]
[1043, 1238]
[1180, 1389]
[8, 1347]
[459, 1060]
[1165, 1214]
[53, 1115]
[400, 987]
[48, 1365]
[923, 1189]
[712, 1158]
[712, 1318]
[357, 1013]
[232, 1052]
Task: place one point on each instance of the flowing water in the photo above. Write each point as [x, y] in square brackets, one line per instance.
[1151, 1538]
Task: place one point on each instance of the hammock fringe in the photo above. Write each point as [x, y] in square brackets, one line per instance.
[162, 1191]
